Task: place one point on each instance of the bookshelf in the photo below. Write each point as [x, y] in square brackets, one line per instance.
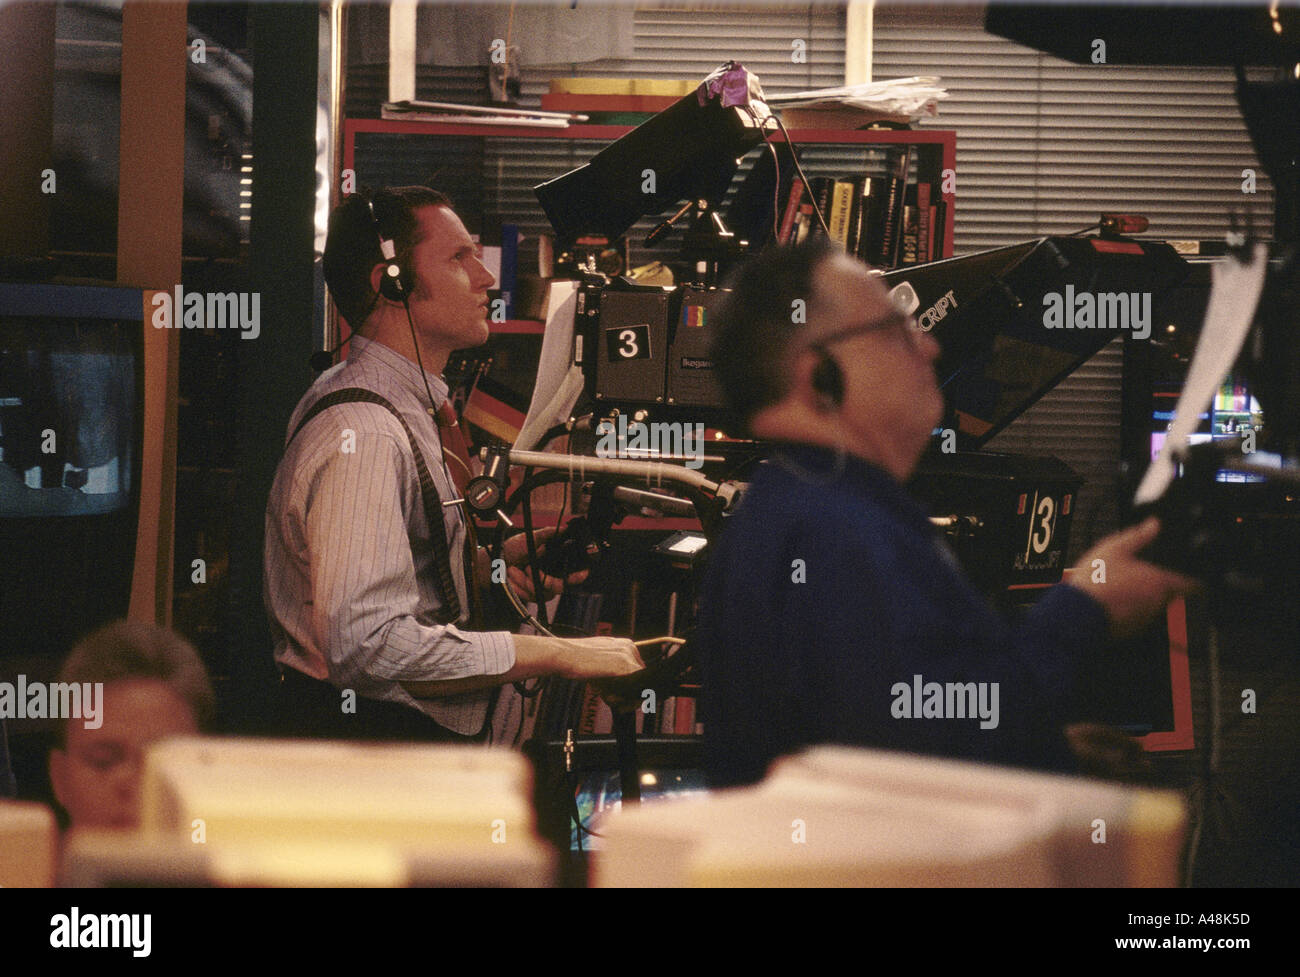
[937, 149]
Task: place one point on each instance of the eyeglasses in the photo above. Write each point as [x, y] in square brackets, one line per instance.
[897, 322]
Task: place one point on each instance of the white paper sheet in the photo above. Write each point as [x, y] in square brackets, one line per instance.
[559, 382]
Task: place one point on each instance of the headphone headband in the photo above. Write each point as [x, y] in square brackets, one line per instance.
[393, 283]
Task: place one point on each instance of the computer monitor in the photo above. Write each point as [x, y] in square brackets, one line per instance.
[1233, 416]
[71, 430]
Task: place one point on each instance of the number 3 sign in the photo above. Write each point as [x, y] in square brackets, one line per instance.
[628, 343]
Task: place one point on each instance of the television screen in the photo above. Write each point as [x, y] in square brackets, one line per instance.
[600, 792]
[1233, 414]
[71, 396]
[67, 411]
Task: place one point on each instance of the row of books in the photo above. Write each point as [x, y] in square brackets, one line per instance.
[671, 715]
[886, 220]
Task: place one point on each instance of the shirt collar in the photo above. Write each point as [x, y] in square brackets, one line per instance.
[403, 371]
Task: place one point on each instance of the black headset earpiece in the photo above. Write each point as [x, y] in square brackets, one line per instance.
[393, 282]
[392, 285]
[395, 285]
[827, 377]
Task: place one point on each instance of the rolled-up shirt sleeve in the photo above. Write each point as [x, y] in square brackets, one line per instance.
[358, 500]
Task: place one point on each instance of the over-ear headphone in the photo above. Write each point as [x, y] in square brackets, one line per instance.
[393, 283]
[827, 377]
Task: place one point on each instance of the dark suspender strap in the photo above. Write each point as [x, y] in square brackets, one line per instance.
[444, 582]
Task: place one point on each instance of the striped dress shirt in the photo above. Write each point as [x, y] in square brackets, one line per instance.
[349, 583]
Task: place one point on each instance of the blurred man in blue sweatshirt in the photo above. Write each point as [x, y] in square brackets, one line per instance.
[832, 612]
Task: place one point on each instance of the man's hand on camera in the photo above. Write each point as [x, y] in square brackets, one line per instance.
[537, 655]
[592, 658]
[1131, 590]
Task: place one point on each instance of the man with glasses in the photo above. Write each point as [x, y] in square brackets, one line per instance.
[831, 610]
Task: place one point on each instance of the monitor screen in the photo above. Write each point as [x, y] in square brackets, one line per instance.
[71, 428]
[1232, 415]
[599, 793]
[67, 412]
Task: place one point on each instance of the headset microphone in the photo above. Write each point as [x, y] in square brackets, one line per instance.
[323, 359]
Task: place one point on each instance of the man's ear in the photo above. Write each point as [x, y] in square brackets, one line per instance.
[376, 277]
[809, 386]
[800, 407]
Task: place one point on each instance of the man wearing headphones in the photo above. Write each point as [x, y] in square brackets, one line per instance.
[830, 602]
[370, 565]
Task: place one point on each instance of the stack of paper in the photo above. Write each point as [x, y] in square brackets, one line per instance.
[834, 816]
[283, 812]
[916, 97]
[451, 112]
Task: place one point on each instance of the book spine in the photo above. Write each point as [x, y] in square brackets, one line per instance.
[821, 191]
[873, 233]
[908, 256]
[604, 720]
[911, 228]
[924, 232]
[791, 211]
[684, 721]
[806, 220]
[893, 236]
[891, 194]
[667, 715]
[861, 209]
[841, 211]
[940, 223]
[590, 707]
